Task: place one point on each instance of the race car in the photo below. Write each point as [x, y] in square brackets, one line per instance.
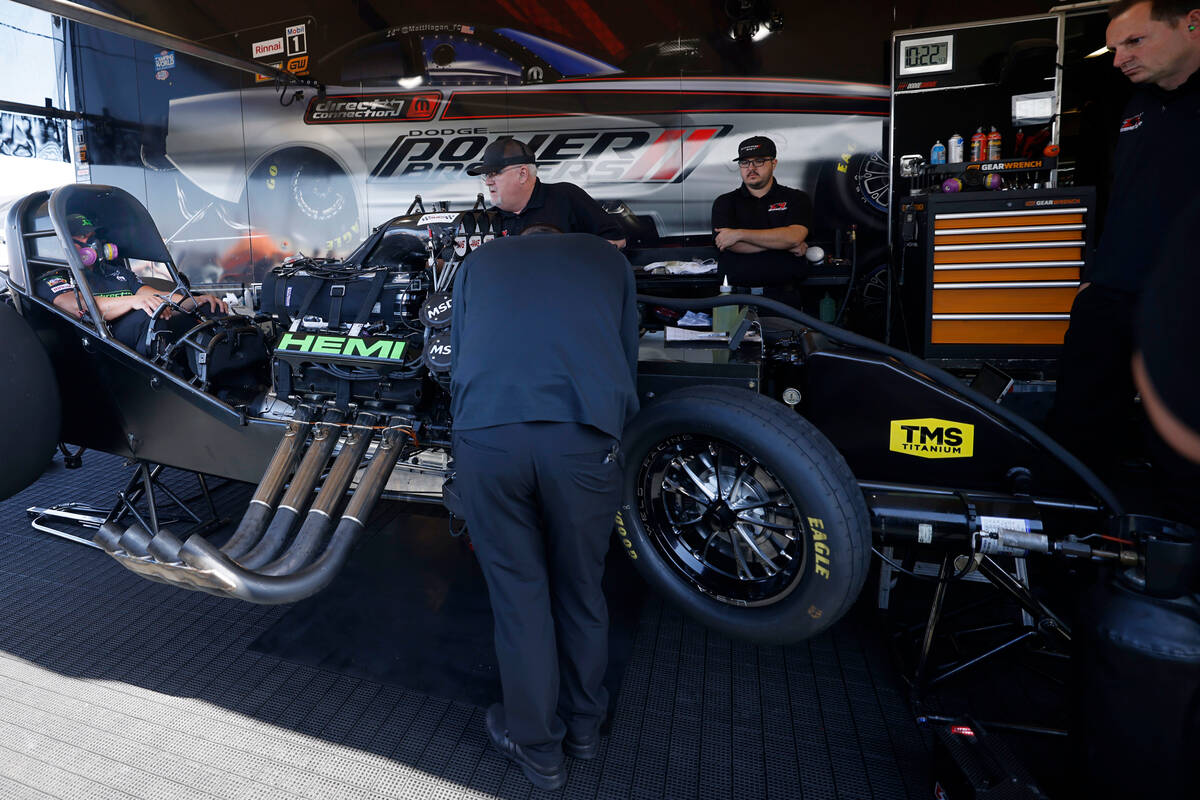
[759, 475]
[413, 106]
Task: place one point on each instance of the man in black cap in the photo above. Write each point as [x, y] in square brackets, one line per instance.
[538, 474]
[510, 173]
[1156, 44]
[761, 226]
[123, 300]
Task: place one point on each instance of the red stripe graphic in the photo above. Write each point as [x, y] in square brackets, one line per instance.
[653, 154]
[672, 164]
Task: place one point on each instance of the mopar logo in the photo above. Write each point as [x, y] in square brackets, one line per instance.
[349, 346]
[932, 438]
[643, 155]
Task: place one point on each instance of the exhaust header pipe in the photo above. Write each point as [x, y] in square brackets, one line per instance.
[197, 564]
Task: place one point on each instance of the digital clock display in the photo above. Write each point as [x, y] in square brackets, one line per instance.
[931, 54]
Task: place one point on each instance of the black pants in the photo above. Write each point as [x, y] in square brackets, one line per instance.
[540, 499]
[1093, 405]
[1095, 416]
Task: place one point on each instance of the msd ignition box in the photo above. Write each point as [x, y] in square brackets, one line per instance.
[971, 764]
[347, 367]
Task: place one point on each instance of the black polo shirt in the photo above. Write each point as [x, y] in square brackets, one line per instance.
[106, 279]
[779, 207]
[566, 207]
[545, 329]
[1154, 177]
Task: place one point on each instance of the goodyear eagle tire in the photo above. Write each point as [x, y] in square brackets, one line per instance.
[30, 405]
[854, 189]
[743, 514]
[305, 201]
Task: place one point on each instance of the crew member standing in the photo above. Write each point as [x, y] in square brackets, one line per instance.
[1156, 44]
[545, 337]
[761, 226]
[510, 174]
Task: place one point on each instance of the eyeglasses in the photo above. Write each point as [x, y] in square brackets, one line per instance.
[757, 163]
[490, 175]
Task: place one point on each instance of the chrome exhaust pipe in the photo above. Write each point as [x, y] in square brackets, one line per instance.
[212, 571]
[262, 505]
[325, 435]
[320, 517]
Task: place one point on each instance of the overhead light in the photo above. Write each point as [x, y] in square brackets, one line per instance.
[1103, 51]
[411, 83]
[752, 20]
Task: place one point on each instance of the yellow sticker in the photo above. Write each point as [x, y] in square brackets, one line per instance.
[932, 438]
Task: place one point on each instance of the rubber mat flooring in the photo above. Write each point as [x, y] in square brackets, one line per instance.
[112, 686]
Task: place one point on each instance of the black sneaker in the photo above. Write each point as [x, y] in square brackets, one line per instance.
[548, 778]
[584, 747]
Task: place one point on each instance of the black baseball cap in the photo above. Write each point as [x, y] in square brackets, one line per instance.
[756, 147]
[80, 225]
[500, 154]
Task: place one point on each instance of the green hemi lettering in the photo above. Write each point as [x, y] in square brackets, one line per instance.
[376, 349]
[350, 346]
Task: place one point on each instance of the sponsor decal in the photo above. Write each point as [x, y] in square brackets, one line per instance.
[267, 78]
[161, 75]
[350, 346]
[907, 87]
[1062, 201]
[297, 65]
[624, 534]
[929, 437]
[438, 218]
[1003, 165]
[777, 207]
[393, 107]
[1131, 124]
[267, 47]
[297, 40]
[820, 547]
[164, 59]
[614, 155]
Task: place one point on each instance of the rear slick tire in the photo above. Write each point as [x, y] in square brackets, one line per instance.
[742, 514]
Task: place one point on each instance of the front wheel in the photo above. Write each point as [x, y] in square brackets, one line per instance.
[743, 514]
[303, 199]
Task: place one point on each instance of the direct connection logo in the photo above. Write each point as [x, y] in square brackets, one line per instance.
[409, 107]
[932, 438]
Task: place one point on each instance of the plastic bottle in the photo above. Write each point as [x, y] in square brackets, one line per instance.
[993, 145]
[725, 317]
[828, 309]
[978, 145]
[938, 154]
[955, 149]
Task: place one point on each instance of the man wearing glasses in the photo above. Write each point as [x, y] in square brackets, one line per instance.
[510, 174]
[761, 226]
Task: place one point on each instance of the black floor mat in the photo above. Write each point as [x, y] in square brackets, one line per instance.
[411, 609]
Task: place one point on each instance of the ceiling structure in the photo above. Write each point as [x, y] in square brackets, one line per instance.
[816, 39]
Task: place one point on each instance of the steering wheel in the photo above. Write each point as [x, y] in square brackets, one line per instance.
[206, 317]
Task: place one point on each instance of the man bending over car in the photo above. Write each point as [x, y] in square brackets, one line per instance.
[126, 304]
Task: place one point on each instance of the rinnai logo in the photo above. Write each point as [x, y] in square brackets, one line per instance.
[268, 47]
[1131, 124]
[932, 438]
[407, 107]
[615, 155]
[777, 207]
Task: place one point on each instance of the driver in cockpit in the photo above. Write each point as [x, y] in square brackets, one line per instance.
[126, 304]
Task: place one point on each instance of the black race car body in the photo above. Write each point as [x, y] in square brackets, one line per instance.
[756, 473]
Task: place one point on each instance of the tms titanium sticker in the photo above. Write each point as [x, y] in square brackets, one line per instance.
[932, 438]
